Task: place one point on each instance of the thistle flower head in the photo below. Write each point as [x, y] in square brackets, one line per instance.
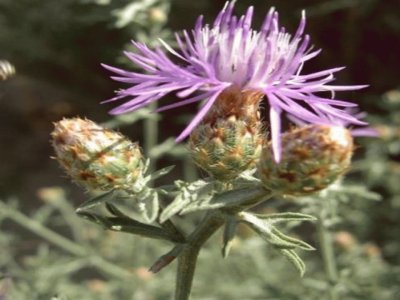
[212, 58]
[313, 157]
[95, 157]
[228, 141]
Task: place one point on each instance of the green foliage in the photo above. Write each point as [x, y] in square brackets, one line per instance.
[50, 253]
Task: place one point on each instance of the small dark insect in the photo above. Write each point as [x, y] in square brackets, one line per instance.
[7, 70]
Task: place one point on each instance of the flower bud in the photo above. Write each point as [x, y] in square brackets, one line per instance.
[345, 240]
[95, 157]
[228, 141]
[157, 15]
[313, 157]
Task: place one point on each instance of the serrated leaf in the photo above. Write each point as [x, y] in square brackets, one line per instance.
[172, 209]
[264, 230]
[95, 218]
[114, 210]
[271, 234]
[162, 148]
[149, 206]
[277, 243]
[361, 192]
[167, 258]
[138, 228]
[130, 118]
[290, 240]
[146, 165]
[188, 193]
[296, 261]
[160, 173]
[125, 224]
[97, 200]
[247, 178]
[286, 217]
[228, 236]
[227, 199]
[87, 216]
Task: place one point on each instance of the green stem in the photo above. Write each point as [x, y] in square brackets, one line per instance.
[68, 213]
[189, 169]
[151, 136]
[62, 242]
[188, 257]
[328, 257]
[213, 221]
[170, 227]
[42, 231]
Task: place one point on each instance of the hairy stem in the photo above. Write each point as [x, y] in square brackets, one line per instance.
[328, 257]
[188, 257]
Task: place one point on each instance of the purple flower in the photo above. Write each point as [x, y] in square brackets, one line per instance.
[213, 58]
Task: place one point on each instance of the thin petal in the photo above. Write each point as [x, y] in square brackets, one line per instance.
[184, 102]
[275, 118]
[367, 132]
[199, 116]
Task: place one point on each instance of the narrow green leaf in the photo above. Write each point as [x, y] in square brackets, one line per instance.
[361, 192]
[138, 228]
[96, 201]
[162, 148]
[296, 243]
[147, 203]
[87, 216]
[229, 199]
[271, 234]
[125, 224]
[173, 208]
[95, 218]
[286, 217]
[229, 235]
[114, 210]
[146, 165]
[188, 193]
[264, 230]
[160, 173]
[278, 243]
[297, 262]
[128, 119]
[166, 259]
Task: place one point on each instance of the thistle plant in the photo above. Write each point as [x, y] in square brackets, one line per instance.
[231, 53]
[233, 69]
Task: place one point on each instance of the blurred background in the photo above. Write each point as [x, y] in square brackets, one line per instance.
[56, 48]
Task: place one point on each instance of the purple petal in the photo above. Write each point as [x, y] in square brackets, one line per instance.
[367, 132]
[275, 118]
[184, 102]
[199, 116]
[168, 47]
[268, 20]
[302, 25]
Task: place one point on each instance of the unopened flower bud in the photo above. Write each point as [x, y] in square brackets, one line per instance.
[345, 240]
[95, 157]
[372, 250]
[157, 15]
[313, 157]
[229, 140]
